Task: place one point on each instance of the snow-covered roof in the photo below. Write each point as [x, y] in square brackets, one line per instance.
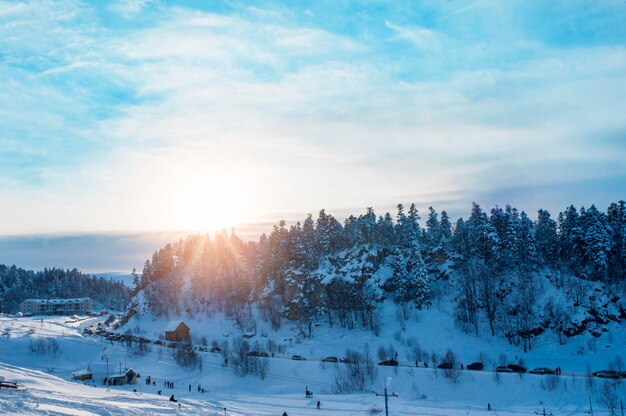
[57, 301]
[130, 370]
[81, 373]
[173, 325]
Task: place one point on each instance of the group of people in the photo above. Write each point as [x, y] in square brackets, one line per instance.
[168, 384]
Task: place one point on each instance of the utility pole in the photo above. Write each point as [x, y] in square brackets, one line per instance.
[386, 405]
[621, 405]
[386, 398]
[590, 406]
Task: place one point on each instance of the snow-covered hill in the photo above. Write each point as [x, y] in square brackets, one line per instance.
[421, 391]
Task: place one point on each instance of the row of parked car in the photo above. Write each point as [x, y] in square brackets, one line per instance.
[101, 330]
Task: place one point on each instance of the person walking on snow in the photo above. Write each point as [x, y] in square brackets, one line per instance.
[319, 405]
[190, 387]
[489, 407]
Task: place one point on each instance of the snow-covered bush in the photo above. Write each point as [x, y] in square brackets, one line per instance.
[45, 346]
[608, 396]
[354, 375]
[186, 356]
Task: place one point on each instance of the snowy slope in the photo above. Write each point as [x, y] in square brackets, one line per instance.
[421, 391]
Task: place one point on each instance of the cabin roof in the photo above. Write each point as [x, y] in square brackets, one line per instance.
[173, 325]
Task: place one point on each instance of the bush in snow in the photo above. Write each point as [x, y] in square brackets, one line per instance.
[186, 356]
[388, 353]
[453, 373]
[608, 396]
[550, 383]
[45, 346]
[354, 375]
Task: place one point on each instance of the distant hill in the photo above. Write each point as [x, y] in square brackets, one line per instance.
[122, 277]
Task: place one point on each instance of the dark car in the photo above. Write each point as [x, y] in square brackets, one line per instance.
[330, 360]
[475, 366]
[346, 360]
[445, 366]
[216, 349]
[542, 370]
[298, 358]
[517, 368]
[391, 363]
[503, 369]
[253, 354]
[606, 374]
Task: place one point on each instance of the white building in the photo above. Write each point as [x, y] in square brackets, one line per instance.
[78, 306]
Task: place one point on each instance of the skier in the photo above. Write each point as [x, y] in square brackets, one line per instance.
[319, 405]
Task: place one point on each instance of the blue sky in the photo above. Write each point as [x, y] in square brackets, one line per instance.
[147, 116]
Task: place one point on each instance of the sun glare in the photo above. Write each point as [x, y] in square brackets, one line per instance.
[209, 203]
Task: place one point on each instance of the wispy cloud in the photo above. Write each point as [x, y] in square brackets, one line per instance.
[420, 37]
[120, 114]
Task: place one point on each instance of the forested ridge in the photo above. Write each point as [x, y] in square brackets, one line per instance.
[17, 284]
[504, 273]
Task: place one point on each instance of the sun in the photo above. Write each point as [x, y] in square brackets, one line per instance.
[208, 203]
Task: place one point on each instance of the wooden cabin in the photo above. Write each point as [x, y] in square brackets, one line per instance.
[177, 331]
[82, 375]
[130, 377]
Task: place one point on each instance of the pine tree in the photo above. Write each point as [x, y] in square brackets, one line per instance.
[546, 235]
[446, 226]
[433, 229]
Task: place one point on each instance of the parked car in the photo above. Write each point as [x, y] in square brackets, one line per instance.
[263, 354]
[216, 349]
[391, 363]
[475, 366]
[445, 366]
[330, 360]
[503, 369]
[606, 374]
[346, 360]
[542, 370]
[253, 354]
[517, 368]
[298, 358]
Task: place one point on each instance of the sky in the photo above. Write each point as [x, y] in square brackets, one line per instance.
[144, 117]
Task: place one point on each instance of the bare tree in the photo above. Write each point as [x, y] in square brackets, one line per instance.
[608, 397]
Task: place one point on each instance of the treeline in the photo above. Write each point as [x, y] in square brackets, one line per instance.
[325, 269]
[17, 284]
